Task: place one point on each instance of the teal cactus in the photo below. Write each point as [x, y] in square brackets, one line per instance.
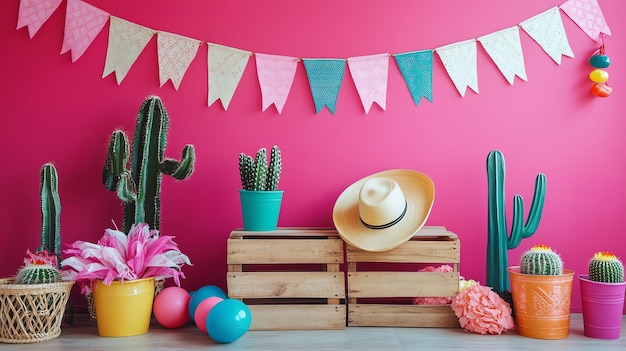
[256, 174]
[499, 242]
[605, 267]
[541, 260]
[140, 186]
[50, 237]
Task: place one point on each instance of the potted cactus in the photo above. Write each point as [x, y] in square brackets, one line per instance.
[260, 197]
[542, 291]
[602, 292]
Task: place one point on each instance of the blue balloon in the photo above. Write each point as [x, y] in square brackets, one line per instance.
[201, 294]
[228, 321]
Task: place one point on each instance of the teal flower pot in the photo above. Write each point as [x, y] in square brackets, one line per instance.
[260, 209]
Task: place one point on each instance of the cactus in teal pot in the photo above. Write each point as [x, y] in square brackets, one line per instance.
[139, 187]
[541, 260]
[605, 267]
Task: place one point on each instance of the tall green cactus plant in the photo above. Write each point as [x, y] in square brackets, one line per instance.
[50, 237]
[140, 186]
[499, 241]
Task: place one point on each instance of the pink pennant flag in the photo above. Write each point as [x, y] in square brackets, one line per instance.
[276, 74]
[126, 41]
[370, 77]
[175, 55]
[83, 22]
[588, 16]
[33, 13]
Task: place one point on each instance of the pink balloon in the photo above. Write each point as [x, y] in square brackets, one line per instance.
[203, 309]
[170, 307]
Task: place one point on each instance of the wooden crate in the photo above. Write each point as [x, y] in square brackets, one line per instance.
[384, 296]
[289, 278]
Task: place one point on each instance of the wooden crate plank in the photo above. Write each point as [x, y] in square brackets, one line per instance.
[402, 284]
[285, 284]
[370, 315]
[413, 251]
[286, 231]
[297, 317]
[284, 251]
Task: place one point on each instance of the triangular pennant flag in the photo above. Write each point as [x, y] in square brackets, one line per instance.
[547, 30]
[505, 49]
[175, 55]
[126, 41]
[417, 69]
[459, 60]
[83, 22]
[325, 76]
[370, 77]
[276, 74]
[33, 13]
[226, 66]
[588, 16]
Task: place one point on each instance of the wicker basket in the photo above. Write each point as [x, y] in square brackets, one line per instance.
[31, 312]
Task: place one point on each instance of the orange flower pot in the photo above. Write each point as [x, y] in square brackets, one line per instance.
[542, 303]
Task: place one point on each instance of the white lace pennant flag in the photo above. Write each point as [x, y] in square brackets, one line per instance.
[34, 13]
[226, 66]
[175, 55]
[588, 16]
[276, 74]
[370, 77]
[505, 49]
[547, 30]
[126, 41]
[83, 22]
[459, 60]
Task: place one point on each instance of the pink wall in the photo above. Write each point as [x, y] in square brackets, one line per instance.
[55, 110]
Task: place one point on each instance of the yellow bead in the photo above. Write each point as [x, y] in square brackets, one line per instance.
[599, 76]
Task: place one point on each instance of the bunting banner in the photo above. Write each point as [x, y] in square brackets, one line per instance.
[369, 74]
[547, 30]
[417, 70]
[325, 77]
[459, 60]
[505, 49]
[276, 75]
[34, 13]
[83, 22]
[588, 16]
[126, 41]
[175, 54]
[226, 66]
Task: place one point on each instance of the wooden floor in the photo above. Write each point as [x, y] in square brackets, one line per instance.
[83, 335]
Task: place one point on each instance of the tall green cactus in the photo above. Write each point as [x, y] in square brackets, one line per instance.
[499, 241]
[50, 237]
[140, 186]
[256, 174]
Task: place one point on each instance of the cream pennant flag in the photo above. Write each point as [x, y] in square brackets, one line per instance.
[588, 16]
[369, 74]
[126, 41]
[459, 60]
[276, 74]
[83, 22]
[505, 49]
[226, 66]
[547, 30]
[33, 13]
[175, 55]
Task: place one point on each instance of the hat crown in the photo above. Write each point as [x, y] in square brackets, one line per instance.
[381, 202]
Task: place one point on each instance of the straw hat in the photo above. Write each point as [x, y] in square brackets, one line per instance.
[384, 210]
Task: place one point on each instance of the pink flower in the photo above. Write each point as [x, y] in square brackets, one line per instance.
[141, 254]
[480, 310]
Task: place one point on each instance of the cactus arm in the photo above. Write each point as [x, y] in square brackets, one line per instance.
[519, 231]
[182, 169]
[275, 166]
[116, 160]
[50, 238]
[260, 170]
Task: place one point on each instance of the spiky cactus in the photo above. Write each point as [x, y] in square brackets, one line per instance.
[39, 268]
[50, 237]
[541, 260]
[499, 241]
[140, 186]
[256, 174]
[606, 267]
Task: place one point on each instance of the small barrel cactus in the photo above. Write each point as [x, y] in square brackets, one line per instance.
[606, 267]
[256, 174]
[39, 268]
[541, 260]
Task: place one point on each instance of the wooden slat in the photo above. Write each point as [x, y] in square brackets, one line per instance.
[370, 315]
[402, 284]
[297, 317]
[284, 251]
[412, 251]
[285, 284]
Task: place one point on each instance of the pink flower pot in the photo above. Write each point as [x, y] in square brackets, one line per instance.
[603, 305]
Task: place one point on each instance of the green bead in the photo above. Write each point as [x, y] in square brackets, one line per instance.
[600, 61]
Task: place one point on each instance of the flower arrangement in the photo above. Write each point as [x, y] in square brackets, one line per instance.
[480, 310]
[143, 253]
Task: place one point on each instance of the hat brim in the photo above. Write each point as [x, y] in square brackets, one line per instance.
[419, 192]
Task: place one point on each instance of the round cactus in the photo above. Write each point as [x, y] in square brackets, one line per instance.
[541, 260]
[606, 267]
[38, 274]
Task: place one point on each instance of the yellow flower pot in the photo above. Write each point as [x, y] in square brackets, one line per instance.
[123, 308]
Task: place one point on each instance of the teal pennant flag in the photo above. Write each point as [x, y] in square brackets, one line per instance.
[325, 76]
[417, 70]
